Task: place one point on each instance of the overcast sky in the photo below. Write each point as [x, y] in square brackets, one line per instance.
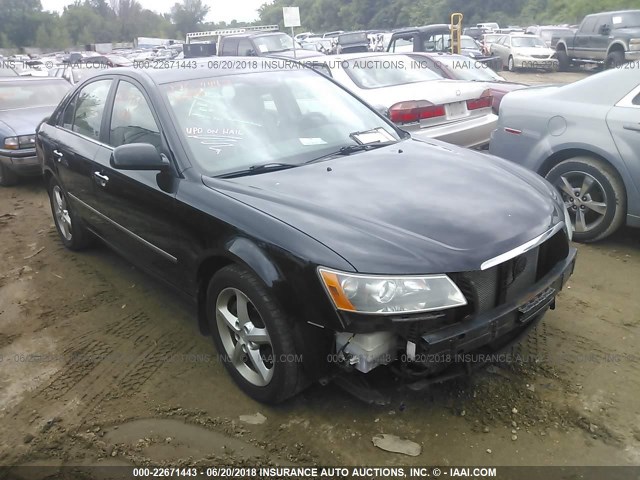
[221, 10]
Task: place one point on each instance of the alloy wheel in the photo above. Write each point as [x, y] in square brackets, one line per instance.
[585, 198]
[244, 336]
[61, 212]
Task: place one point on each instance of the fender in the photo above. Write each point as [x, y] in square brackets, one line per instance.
[617, 43]
[255, 258]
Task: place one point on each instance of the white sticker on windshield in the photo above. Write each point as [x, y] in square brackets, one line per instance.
[263, 48]
[372, 136]
[312, 141]
[616, 20]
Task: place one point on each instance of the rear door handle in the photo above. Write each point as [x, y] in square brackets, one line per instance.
[632, 126]
[100, 179]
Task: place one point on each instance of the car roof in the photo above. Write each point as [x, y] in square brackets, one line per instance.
[423, 29]
[614, 12]
[254, 34]
[204, 69]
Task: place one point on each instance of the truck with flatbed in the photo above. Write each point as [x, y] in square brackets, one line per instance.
[608, 38]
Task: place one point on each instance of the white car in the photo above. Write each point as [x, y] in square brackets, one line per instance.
[416, 98]
[525, 51]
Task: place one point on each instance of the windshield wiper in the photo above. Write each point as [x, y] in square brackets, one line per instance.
[257, 169]
[349, 149]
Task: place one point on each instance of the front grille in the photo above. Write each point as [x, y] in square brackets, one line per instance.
[485, 290]
[540, 56]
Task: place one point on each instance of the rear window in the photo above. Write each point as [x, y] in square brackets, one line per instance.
[31, 94]
[387, 71]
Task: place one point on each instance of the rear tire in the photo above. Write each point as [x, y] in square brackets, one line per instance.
[594, 194]
[615, 59]
[7, 177]
[253, 336]
[69, 225]
[563, 61]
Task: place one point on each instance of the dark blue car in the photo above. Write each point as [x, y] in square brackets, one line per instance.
[24, 103]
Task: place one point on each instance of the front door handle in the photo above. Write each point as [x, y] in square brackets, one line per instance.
[100, 179]
[632, 126]
[58, 154]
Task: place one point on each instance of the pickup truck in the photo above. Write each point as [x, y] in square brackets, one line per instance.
[262, 44]
[255, 41]
[609, 38]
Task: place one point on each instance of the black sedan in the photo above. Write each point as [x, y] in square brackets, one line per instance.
[24, 103]
[314, 236]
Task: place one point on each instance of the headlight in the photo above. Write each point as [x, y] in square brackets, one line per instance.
[387, 294]
[24, 141]
[568, 224]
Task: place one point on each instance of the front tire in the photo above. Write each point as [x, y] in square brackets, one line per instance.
[615, 59]
[563, 61]
[511, 66]
[7, 177]
[594, 195]
[72, 231]
[253, 336]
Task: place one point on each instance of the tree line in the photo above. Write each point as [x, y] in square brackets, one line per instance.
[24, 23]
[326, 15]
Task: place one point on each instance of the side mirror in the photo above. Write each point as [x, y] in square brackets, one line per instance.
[139, 156]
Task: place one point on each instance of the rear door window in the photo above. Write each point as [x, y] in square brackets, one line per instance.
[89, 108]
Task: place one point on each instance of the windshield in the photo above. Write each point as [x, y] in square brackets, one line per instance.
[27, 94]
[492, 38]
[626, 20]
[386, 71]
[467, 69]
[358, 37]
[274, 43]
[469, 44]
[234, 122]
[525, 42]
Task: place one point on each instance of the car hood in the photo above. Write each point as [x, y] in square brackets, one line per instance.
[415, 207]
[24, 121]
[435, 91]
[528, 51]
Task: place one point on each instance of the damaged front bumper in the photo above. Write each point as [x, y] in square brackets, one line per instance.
[467, 344]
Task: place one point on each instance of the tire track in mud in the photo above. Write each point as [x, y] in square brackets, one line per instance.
[112, 363]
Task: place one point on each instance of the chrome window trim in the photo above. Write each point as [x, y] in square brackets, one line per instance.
[84, 137]
[525, 247]
[150, 245]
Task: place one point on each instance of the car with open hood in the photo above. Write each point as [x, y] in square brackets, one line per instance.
[314, 236]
